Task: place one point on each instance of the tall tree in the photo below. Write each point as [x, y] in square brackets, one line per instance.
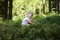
[0, 7]
[10, 9]
[59, 6]
[5, 6]
[43, 2]
[57, 3]
[49, 5]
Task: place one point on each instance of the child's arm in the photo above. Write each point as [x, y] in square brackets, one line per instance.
[30, 22]
[35, 22]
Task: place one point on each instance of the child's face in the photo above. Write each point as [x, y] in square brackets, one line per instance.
[30, 15]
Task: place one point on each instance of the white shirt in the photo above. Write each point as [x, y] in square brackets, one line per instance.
[25, 21]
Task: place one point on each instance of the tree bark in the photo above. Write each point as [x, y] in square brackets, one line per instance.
[43, 1]
[10, 9]
[49, 5]
[5, 6]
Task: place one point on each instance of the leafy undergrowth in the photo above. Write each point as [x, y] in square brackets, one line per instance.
[46, 28]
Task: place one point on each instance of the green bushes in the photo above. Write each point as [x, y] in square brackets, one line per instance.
[21, 7]
[47, 29]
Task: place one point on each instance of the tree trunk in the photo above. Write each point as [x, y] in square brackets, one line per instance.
[5, 6]
[10, 10]
[59, 6]
[43, 1]
[49, 5]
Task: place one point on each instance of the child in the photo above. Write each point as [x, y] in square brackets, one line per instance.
[28, 19]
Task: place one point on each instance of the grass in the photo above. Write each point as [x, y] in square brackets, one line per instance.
[47, 29]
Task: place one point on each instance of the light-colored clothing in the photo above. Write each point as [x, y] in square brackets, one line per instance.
[25, 21]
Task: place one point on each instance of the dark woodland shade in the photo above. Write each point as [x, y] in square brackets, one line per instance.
[54, 4]
[5, 10]
[37, 11]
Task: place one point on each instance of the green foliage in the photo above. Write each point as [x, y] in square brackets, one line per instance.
[47, 28]
[20, 7]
